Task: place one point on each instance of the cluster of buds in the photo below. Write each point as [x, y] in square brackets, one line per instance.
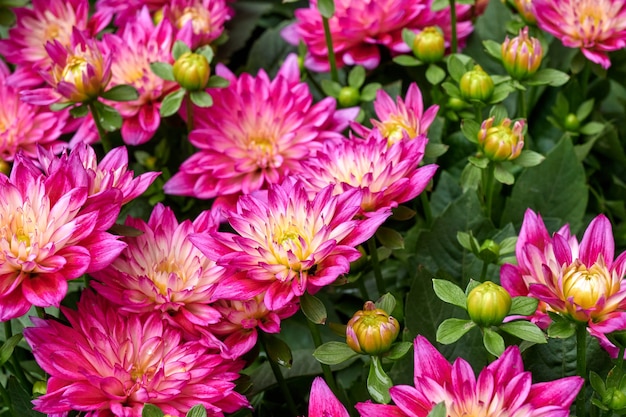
[371, 330]
[476, 85]
[488, 304]
[429, 45]
[192, 71]
[521, 56]
[500, 142]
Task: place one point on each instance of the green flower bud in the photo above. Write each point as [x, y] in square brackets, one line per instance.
[456, 104]
[371, 330]
[521, 56]
[489, 251]
[192, 71]
[614, 399]
[40, 388]
[488, 304]
[349, 96]
[476, 85]
[501, 143]
[429, 45]
[572, 123]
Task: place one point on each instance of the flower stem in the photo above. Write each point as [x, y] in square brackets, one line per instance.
[581, 366]
[19, 372]
[279, 378]
[453, 40]
[41, 312]
[332, 60]
[6, 399]
[522, 105]
[378, 274]
[317, 341]
[104, 139]
[428, 214]
[189, 108]
[483, 272]
[488, 186]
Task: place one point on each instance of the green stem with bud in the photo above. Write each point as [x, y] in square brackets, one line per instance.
[581, 366]
[488, 185]
[317, 341]
[104, 139]
[378, 273]
[453, 40]
[522, 104]
[189, 108]
[279, 379]
[332, 59]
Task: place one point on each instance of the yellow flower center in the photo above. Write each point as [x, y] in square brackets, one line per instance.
[395, 128]
[199, 17]
[263, 148]
[162, 273]
[74, 69]
[585, 286]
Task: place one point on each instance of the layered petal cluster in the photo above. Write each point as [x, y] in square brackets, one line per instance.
[503, 389]
[359, 27]
[123, 12]
[404, 117]
[387, 175]
[199, 22]
[48, 237]
[594, 26]
[257, 132]
[323, 403]
[161, 270]
[134, 48]
[289, 243]
[582, 281]
[106, 363]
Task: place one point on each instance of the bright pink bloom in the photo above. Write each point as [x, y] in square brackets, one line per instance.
[323, 403]
[257, 132]
[133, 49]
[387, 175]
[581, 281]
[289, 243]
[199, 22]
[48, 237]
[359, 27]
[125, 11]
[594, 26]
[108, 364]
[400, 118]
[161, 270]
[502, 389]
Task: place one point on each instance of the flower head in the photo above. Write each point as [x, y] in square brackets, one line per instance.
[500, 142]
[199, 22]
[581, 281]
[503, 389]
[522, 55]
[106, 363]
[257, 132]
[594, 26]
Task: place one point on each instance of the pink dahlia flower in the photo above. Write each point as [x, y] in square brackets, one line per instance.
[124, 11]
[501, 389]
[323, 403]
[48, 237]
[387, 175]
[359, 27]
[594, 26]
[108, 364]
[288, 243]
[257, 132]
[161, 270]
[582, 281]
[400, 118]
[133, 49]
[199, 22]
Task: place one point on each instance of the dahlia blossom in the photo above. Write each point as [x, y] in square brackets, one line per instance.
[288, 243]
[404, 117]
[594, 26]
[199, 22]
[107, 364]
[161, 270]
[359, 27]
[503, 389]
[133, 49]
[48, 237]
[387, 175]
[257, 132]
[323, 402]
[582, 281]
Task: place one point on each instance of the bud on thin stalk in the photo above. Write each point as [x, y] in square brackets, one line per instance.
[488, 304]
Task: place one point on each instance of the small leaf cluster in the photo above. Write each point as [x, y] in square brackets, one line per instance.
[353, 93]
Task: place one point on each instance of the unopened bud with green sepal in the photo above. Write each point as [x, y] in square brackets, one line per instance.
[476, 85]
[192, 71]
[371, 331]
[501, 142]
[522, 55]
[429, 45]
[488, 304]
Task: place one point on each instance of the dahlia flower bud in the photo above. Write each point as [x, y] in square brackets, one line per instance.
[501, 143]
[614, 399]
[571, 122]
[476, 85]
[488, 304]
[521, 56]
[371, 330]
[429, 45]
[40, 388]
[525, 9]
[192, 71]
[349, 96]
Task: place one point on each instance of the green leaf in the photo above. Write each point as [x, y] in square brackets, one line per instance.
[179, 48]
[60, 106]
[331, 88]
[121, 93]
[378, 382]
[21, 400]
[79, 111]
[163, 70]
[435, 74]
[398, 350]
[523, 306]
[451, 89]
[470, 129]
[151, 410]
[499, 113]
[471, 177]
[592, 128]
[453, 329]
[207, 52]
[8, 347]
[387, 303]
[268, 52]
[493, 48]
[480, 162]
[201, 98]
[500, 92]
[438, 411]
[109, 118]
[197, 411]
[439, 5]
[408, 36]
[171, 103]
[456, 67]
[503, 175]
[529, 159]
[597, 383]
[494, 343]
[468, 241]
[278, 351]
[450, 293]
[562, 329]
[585, 109]
[333, 353]
[326, 8]
[407, 61]
[548, 76]
[369, 91]
[124, 230]
[525, 330]
[435, 150]
[217, 82]
[390, 238]
[313, 308]
[356, 77]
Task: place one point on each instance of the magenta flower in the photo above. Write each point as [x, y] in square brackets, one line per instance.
[359, 27]
[107, 364]
[48, 237]
[594, 26]
[387, 175]
[288, 243]
[582, 281]
[323, 403]
[161, 270]
[257, 132]
[199, 22]
[502, 389]
[404, 117]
